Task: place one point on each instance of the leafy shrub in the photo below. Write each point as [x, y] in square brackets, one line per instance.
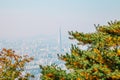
[12, 65]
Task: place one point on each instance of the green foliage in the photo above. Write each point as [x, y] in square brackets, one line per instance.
[100, 61]
[12, 65]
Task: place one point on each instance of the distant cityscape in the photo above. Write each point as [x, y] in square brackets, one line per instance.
[44, 51]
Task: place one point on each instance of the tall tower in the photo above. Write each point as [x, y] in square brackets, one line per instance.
[60, 40]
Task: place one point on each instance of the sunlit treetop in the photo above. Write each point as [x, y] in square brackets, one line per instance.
[112, 28]
[105, 36]
[99, 61]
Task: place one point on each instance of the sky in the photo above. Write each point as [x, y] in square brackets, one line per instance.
[29, 18]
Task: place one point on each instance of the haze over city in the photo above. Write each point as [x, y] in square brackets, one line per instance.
[28, 18]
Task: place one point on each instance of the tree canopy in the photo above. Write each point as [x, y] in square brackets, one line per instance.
[12, 65]
[101, 59]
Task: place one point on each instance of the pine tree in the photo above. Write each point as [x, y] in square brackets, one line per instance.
[100, 61]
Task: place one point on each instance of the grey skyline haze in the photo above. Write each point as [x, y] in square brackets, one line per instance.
[29, 18]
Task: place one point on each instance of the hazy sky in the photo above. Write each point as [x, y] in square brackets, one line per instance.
[28, 18]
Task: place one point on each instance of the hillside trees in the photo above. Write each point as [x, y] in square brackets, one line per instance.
[100, 61]
[12, 65]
